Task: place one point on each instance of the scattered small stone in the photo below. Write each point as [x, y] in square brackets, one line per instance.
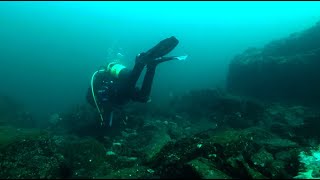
[116, 144]
[150, 171]
[110, 153]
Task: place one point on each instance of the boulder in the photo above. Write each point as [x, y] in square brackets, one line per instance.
[284, 70]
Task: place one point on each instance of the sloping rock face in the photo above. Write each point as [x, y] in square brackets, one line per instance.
[284, 70]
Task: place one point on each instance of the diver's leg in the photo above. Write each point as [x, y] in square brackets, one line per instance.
[136, 72]
[147, 83]
[152, 58]
[144, 93]
[157, 52]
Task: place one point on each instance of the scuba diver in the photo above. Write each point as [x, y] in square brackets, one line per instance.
[114, 85]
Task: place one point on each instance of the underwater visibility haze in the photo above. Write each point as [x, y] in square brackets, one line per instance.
[251, 79]
[49, 50]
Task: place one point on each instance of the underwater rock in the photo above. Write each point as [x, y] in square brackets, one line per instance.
[85, 156]
[243, 169]
[203, 169]
[278, 161]
[123, 154]
[277, 144]
[158, 141]
[35, 153]
[79, 120]
[220, 108]
[292, 116]
[10, 135]
[241, 141]
[281, 129]
[264, 162]
[292, 122]
[295, 43]
[117, 162]
[32, 157]
[247, 153]
[169, 162]
[285, 70]
[217, 146]
[143, 143]
[136, 172]
[196, 103]
[278, 170]
[262, 158]
[152, 136]
[309, 129]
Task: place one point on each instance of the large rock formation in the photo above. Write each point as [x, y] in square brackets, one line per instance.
[284, 70]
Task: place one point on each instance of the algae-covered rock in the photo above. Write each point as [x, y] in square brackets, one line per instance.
[247, 153]
[309, 129]
[214, 145]
[277, 144]
[136, 172]
[240, 141]
[219, 107]
[261, 158]
[290, 115]
[284, 70]
[275, 163]
[204, 169]
[34, 153]
[238, 167]
[32, 157]
[10, 135]
[159, 140]
[85, 156]
[279, 169]
[147, 141]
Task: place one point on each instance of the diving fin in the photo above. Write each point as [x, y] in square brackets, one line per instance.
[164, 59]
[162, 48]
[181, 58]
